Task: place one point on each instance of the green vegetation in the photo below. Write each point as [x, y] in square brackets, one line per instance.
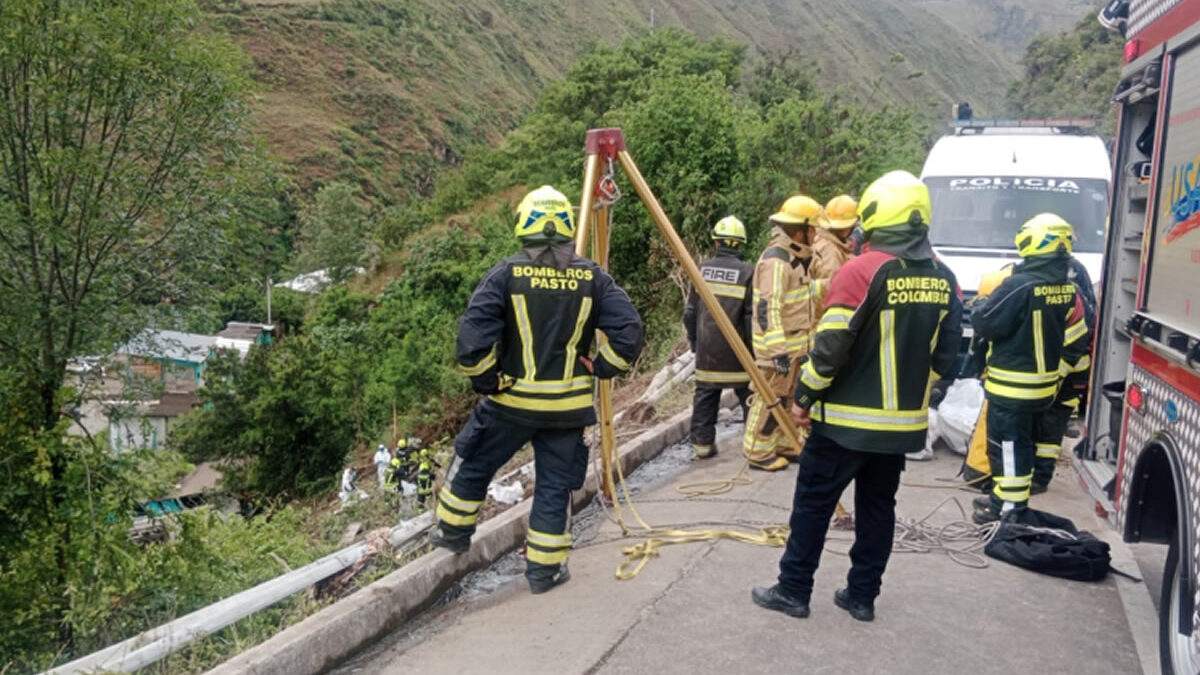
[384, 94]
[141, 197]
[1070, 74]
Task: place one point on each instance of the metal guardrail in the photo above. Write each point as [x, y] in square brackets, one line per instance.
[157, 643]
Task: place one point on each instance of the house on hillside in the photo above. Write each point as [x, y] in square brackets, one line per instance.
[147, 424]
[175, 361]
[252, 333]
[172, 360]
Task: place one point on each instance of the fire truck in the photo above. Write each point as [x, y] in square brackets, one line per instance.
[1141, 460]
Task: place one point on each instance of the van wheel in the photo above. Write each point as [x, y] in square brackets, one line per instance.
[1176, 650]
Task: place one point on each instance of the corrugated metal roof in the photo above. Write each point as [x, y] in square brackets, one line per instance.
[170, 344]
[171, 405]
[236, 330]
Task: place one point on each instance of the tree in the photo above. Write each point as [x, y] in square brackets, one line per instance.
[1070, 74]
[334, 231]
[281, 421]
[122, 132]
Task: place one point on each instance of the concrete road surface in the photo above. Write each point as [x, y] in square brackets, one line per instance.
[689, 611]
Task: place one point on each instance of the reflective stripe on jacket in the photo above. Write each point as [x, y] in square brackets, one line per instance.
[890, 324]
[525, 329]
[1036, 327]
[729, 278]
[786, 300]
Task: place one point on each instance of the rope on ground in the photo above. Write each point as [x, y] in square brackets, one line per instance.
[707, 488]
[640, 554]
[961, 540]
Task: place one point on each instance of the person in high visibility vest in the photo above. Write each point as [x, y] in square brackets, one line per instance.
[892, 317]
[524, 341]
[785, 296]
[1036, 330]
[730, 279]
[425, 475]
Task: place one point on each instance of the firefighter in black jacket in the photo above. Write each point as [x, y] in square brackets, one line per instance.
[893, 318]
[1049, 426]
[1037, 333]
[730, 278]
[524, 342]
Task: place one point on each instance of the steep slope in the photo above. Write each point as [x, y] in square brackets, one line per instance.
[1009, 25]
[386, 92]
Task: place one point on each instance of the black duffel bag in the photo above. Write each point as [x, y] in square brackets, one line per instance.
[1050, 544]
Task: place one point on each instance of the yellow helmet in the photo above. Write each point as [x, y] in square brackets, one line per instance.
[402, 444]
[895, 198]
[992, 280]
[840, 213]
[545, 215]
[1044, 234]
[729, 229]
[798, 210]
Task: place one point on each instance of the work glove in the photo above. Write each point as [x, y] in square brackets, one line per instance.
[487, 383]
[782, 364]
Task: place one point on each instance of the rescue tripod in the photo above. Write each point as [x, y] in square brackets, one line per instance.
[605, 148]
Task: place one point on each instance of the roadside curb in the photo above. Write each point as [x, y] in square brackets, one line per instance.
[335, 633]
[1135, 598]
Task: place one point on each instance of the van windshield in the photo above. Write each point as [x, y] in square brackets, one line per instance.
[985, 212]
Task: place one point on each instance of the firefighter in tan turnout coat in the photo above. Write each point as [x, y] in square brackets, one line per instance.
[786, 308]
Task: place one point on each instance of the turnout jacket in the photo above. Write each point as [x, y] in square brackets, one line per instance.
[830, 253]
[892, 320]
[526, 329]
[1037, 331]
[729, 277]
[786, 300]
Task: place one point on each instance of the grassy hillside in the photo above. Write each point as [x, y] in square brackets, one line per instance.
[386, 92]
[1008, 25]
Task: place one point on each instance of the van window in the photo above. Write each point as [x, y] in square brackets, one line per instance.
[985, 212]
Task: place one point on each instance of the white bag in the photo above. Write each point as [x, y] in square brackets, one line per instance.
[955, 419]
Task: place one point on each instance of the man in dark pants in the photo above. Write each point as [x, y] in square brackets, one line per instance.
[524, 342]
[730, 279]
[1036, 330]
[892, 317]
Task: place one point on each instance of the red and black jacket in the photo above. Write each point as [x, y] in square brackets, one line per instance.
[891, 324]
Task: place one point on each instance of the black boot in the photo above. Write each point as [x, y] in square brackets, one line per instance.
[984, 511]
[543, 582]
[777, 599]
[863, 611]
[455, 544]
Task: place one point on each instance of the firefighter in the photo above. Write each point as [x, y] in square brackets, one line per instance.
[783, 316]
[524, 341]
[834, 244]
[398, 466]
[729, 277]
[1037, 333]
[425, 475]
[892, 317]
[1049, 426]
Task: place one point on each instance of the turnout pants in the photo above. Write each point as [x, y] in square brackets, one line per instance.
[1049, 426]
[560, 463]
[1011, 452]
[763, 439]
[826, 468]
[706, 403]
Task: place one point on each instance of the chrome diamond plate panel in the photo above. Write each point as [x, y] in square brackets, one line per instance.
[1142, 13]
[1185, 431]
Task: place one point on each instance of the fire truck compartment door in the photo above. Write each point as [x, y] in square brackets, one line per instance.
[1174, 294]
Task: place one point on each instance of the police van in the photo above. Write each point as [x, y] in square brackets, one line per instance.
[989, 176]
